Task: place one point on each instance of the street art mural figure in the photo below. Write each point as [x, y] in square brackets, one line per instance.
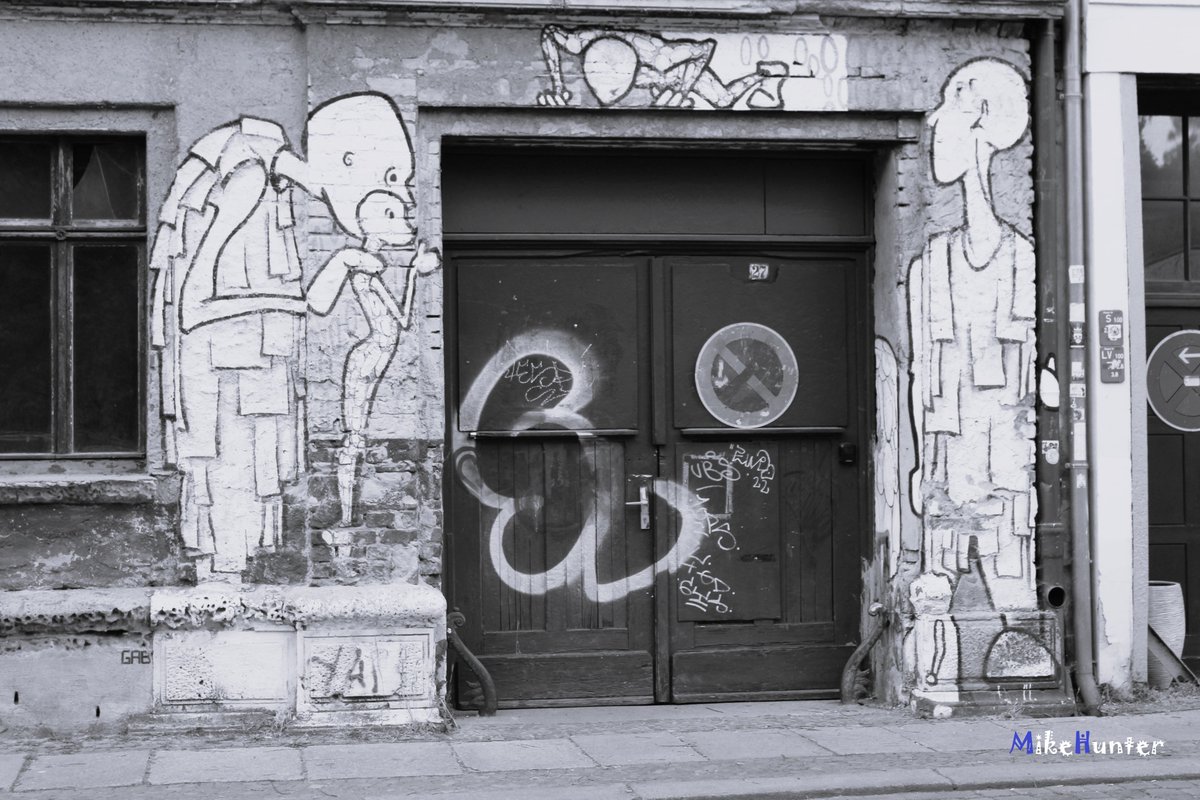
[229, 307]
[971, 310]
[675, 71]
[972, 314]
[665, 70]
[887, 451]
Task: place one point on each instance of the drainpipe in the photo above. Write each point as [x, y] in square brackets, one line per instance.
[1081, 566]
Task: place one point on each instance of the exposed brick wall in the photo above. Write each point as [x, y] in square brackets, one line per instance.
[396, 532]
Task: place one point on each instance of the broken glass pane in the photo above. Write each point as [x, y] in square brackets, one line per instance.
[105, 180]
[1194, 156]
[25, 361]
[1162, 156]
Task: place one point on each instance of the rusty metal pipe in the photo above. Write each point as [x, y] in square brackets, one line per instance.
[850, 671]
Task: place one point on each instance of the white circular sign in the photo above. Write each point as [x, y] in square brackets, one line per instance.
[746, 375]
[1173, 380]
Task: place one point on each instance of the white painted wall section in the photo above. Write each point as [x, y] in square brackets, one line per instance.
[1142, 36]
[1109, 405]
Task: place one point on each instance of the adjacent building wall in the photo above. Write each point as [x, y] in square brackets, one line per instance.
[1112, 61]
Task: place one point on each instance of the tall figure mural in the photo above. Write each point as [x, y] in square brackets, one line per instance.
[972, 313]
[230, 306]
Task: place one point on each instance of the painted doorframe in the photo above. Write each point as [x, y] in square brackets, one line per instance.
[859, 374]
[883, 133]
[1117, 412]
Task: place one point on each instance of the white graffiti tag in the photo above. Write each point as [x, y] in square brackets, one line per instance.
[579, 565]
[703, 589]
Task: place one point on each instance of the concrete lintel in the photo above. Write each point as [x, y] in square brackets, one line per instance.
[224, 605]
[390, 12]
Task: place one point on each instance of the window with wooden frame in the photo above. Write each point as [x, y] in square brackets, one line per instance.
[1169, 138]
[72, 249]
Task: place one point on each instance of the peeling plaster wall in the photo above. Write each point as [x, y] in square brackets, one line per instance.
[170, 83]
[387, 527]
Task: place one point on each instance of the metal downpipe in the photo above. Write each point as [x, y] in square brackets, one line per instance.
[1081, 549]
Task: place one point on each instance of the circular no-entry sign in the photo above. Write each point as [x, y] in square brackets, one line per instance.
[1173, 380]
[746, 375]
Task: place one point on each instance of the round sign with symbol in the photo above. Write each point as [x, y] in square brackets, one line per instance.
[1173, 380]
[746, 375]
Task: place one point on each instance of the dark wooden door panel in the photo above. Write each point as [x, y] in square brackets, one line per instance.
[769, 597]
[756, 334]
[548, 344]
[760, 672]
[734, 574]
[571, 679]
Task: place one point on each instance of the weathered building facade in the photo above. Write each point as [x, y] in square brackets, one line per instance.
[658, 340]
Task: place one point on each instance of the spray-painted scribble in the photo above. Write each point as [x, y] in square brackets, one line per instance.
[709, 578]
[716, 525]
[679, 70]
[229, 306]
[887, 451]
[971, 309]
[579, 565]
[701, 589]
[733, 464]
[544, 380]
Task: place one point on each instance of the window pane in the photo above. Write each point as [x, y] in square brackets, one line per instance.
[106, 348]
[105, 180]
[25, 360]
[25, 180]
[1194, 227]
[1194, 156]
[1163, 239]
[1162, 156]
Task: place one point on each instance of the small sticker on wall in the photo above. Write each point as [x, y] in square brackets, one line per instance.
[1075, 273]
[1050, 452]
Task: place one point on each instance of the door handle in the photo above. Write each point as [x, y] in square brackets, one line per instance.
[644, 502]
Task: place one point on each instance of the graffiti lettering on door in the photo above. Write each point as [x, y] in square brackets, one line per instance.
[551, 362]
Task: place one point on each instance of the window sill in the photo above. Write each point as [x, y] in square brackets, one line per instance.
[62, 489]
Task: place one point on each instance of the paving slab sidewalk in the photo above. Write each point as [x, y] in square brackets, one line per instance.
[787, 750]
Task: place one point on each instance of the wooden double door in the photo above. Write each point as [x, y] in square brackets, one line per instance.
[656, 481]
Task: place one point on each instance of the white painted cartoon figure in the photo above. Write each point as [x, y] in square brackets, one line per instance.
[971, 311]
[229, 307]
[675, 71]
